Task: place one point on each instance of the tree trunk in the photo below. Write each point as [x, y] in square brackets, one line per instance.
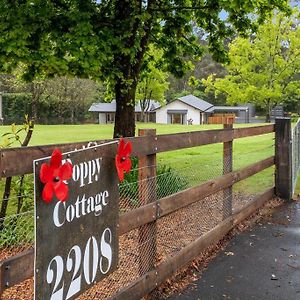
[269, 107]
[34, 101]
[34, 109]
[129, 66]
[72, 113]
[5, 200]
[124, 120]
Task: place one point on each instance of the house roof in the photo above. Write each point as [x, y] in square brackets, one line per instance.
[230, 108]
[197, 103]
[111, 107]
[103, 107]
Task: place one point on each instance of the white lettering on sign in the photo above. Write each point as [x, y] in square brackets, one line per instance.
[63, 212]
[86, 172]
[96, 258]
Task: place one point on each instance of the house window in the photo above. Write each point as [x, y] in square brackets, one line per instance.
[110, 117]
[177, 118]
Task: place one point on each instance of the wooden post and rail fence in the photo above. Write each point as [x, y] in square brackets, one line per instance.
[18, 161]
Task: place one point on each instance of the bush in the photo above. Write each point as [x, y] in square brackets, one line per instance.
[168, 182]
[48, 110]
[294, 117]
[15, 106]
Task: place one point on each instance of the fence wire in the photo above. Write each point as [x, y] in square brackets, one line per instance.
[295, 154]
[16, 234]
[140, 250]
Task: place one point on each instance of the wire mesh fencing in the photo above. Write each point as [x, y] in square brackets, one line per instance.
[16, 216]
[295, 154]
[16, 234]
[146, 247]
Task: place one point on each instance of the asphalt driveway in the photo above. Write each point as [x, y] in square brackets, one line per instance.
[261, 263]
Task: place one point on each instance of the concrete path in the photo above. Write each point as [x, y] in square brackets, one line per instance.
[261, 264]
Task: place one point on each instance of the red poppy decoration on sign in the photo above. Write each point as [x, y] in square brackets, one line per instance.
[54, 177]
[122, 160]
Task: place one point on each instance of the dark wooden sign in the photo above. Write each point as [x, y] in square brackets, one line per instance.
[77, 240]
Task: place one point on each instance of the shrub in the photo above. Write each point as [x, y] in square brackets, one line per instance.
[294, 117]
[168, 182]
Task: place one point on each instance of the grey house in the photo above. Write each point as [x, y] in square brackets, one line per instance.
[106, 112]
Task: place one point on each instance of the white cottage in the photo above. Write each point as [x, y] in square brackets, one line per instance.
[184, 110]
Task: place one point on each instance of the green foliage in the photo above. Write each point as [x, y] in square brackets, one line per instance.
[84, 38]
[49, 109]
[15, 106]
[295, 117]
[14, 135]
[191, 82]
[265, 68]
[168, 182]
[23, 187]
[108, 39]
[153, 81]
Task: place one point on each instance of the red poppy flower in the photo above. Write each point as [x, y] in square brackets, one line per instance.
[122, 160]
[53, 176]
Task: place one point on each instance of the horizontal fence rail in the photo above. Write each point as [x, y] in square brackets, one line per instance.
[143, 225]
[18, 161]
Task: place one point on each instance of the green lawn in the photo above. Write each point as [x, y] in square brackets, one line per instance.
[55, 134]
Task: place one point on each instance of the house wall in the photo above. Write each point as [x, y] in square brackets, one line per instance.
[163, 117]
[102, 118]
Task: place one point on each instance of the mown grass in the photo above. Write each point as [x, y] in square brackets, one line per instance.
[56, 134]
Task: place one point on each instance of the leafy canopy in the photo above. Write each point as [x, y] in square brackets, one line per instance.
[265, 68]
[90, 38]
[153, 81]
[108, 39]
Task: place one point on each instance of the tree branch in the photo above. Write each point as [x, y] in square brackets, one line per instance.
[180, 8]
[144, 41]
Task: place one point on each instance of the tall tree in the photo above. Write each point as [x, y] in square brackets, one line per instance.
[72, 95]
[153, 82]
[108, 39]
[265, 68]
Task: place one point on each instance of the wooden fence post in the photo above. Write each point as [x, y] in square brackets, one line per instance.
[227, 168]
[147, 194]
[283, 158]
